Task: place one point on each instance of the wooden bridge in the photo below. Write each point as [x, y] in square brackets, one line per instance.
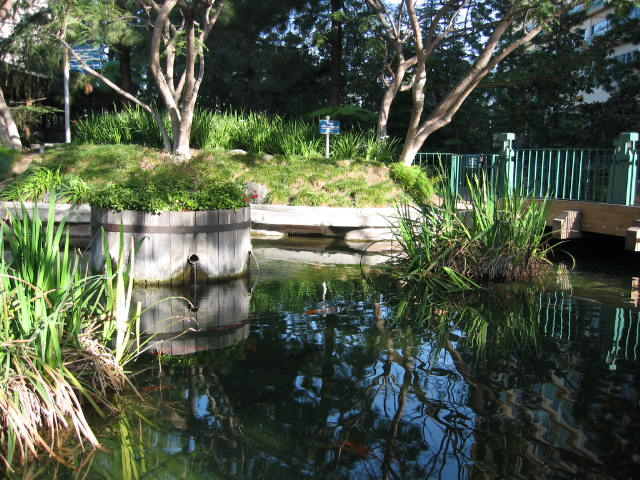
[591, 190]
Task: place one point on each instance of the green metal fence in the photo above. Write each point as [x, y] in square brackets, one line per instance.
[459, 168]
[590, 175]
[566, 174]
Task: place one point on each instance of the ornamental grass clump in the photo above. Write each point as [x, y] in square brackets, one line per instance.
[453, 246]
[54, 327]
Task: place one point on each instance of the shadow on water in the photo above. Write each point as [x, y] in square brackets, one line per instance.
[334, 379]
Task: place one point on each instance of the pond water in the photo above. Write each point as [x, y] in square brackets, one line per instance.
[305, 370]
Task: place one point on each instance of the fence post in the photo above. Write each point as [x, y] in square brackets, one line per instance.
[623, 172]
[454, 175]
[506, 165]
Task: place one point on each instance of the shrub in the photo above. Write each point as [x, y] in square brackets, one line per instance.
[35, 183]
[384, 151]
[40, 181]
[254, 132]
[130, 125]
[414, 181]
[165, 189]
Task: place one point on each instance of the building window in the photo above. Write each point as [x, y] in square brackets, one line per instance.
[626, 57]
[601, 28]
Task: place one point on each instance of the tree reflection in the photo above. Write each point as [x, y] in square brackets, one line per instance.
[336, 380]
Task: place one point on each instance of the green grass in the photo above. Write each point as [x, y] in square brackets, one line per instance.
[295, 180]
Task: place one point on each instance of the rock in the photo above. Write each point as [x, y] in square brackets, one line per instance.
[267, 158]
[237, 151]
[256, 192]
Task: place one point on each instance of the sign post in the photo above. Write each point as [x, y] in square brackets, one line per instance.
[93, 57]
[329, 127]
[67, 108]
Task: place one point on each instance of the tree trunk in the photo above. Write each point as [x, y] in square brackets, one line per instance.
[419, 130]
[410, 150]
[336, 55]
[124, 57]
[390, 95]
[127, 95]
[383, 114]
[6, 9]
[9, 135]
[182, 136]
[412, 141]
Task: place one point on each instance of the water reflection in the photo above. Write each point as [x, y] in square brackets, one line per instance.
[336, 380]
[186, 320]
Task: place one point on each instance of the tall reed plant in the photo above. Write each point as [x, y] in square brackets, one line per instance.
[129, 125]
[53, 354]
[250, 131]
[452, 245]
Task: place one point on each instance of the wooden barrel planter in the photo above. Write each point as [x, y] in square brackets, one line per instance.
[176, 247]
[187, 320]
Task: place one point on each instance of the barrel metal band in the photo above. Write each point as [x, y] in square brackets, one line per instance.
[112, 227]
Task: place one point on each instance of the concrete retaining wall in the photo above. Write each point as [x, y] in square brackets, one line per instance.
[353, 224]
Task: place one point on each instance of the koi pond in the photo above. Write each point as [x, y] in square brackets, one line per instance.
[308, 370]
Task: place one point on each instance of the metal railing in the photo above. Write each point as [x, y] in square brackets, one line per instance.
[563, 174]
[589, 175]
[459, 168]
[566, 174]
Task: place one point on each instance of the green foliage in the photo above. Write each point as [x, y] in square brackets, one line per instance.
[386, 151]
[98, 163]
[8, 158]
[346, 112]
[348, 145]
[52, 356]
[74, 189]
[494, 238]
[131, 125]
[348, 183]
[36, 183]
[40, 181]
[168, 188]
[415, 181]
[252, 132]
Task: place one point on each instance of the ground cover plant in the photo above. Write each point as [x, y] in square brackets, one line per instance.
[77, 169]
[453, 246]
[56, 323]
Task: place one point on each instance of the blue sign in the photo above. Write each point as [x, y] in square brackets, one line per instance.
[93, 56]
[329, 127]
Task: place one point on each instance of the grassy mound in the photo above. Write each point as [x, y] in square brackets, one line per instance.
[312, 181]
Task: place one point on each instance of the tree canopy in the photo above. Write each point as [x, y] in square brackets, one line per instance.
[442, 74]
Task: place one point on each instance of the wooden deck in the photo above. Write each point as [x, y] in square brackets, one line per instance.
[569, 219]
